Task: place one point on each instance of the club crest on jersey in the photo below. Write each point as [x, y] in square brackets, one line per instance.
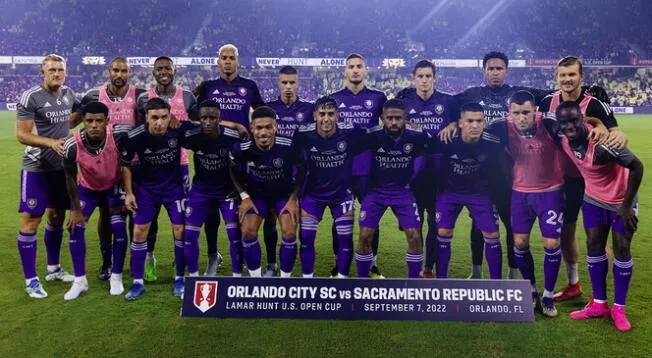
[407, 148]
[300, 117]
[482, 157]
[341, 146]
[82, 204]
[130, 100]
[66, 100]
[278, 162]
[363, 214]
[172, 142]
[439, 109]
[188, 211]
[224, 152]
[368, 104]
[205, 295]
[437, 216]
[242, 91]
[31, 203]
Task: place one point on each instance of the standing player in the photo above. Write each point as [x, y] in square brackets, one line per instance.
[266, 174]
[93, 153]
[612, 180]
[431, 111]
[394, 148]
[42, 124]
[236, 95]
[327, 148]
[360, 106]
[291, 112]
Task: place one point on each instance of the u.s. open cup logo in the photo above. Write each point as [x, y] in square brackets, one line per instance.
[205, 295]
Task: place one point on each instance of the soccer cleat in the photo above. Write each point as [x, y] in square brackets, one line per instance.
[475, 276]
[427, 274]
[334, 271]
[568, 292]
[375, 272]
[59, 275]
[77, 288]
[150, 270]
[548, 308]
[105, 273]
[116, 286]
[592, 310]
[620, 320]
[536, 303]
[271, 271]
[35, 290]
[214, 262]
[178, 288]
[135, 291]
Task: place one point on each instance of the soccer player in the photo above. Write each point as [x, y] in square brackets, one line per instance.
[264, 182]
[120, 97]
[326, 148]
[42, 124]
[612, 179]
[360, 106]
[431, 111]
[93, 153]
[569, 76]
[236, 95]
[183, 106]
[161, 183]
[211, 187]
[394, 147]
[469, 156]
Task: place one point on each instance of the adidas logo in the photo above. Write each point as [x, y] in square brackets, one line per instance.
[47, 104]
[481, 103]
[216, 91]
[380, 150]
[199, 152]
[313, 149]
[412, 111]
[147, 151]
[342, 106]
[454, 156]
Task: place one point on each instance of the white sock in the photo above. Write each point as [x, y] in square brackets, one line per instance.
[81, 279]
[339, 275]
[599, 301]
[53, 267]
[237, 274]
[571, 272]
[547, 294]
[27, 281]
[193, 274]
[139, 280]
[178, 278]
[373, 262]
[308, 275]
[255, 273]
[116, 276]
[286, 274]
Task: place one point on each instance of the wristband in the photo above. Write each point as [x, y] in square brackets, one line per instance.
[244, 195]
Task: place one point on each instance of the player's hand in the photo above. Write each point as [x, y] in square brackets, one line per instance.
[130, 203]
[292, 208]
[599, 135]
[175, 123]
[244, 208]
[413, 125]
[244, 134]
[627, 214]
[76, 218]
[447, 134]
[616, 140]
[57, 145]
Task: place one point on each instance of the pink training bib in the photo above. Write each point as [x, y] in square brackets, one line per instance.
[98, 171]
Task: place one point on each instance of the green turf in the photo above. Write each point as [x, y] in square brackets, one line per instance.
[98, 324]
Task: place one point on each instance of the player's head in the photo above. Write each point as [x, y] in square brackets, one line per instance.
[471, 121]
[53, 70]
[95, 118]
[210, 116]
[423, 76]
[119, 72]
[263, 127]
[569, 74]
[288, 82]
[394, 118]
[157, 114]
[522, 110]
[228, 60]
[355, 69]
[326, 114]
[164, 71]
[494, 67]
[570, 119]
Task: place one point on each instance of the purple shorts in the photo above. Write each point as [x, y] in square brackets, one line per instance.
[595, 216]
[316, 206]
[402, 204]
[547, 206]
[149, 203]
[199, 205]
[90, 199]
[264, 206]
[185, 177]
[359, 187]
[481, 209]
[41, 190]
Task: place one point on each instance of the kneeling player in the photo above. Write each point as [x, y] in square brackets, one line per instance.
[612, 179]
[266, 163]
[94, 149]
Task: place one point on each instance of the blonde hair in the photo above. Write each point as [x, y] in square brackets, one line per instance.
[228, 47]
[53, 57]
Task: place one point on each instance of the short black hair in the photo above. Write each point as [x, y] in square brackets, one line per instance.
[569, 61]
[287, 70]
[568, 105]
[520, 97]
[263, 112]
[325, 102]
[394, 103]
[354, 55]
[209, 103]
[424, 64]
[118, 59]
[471, 107]
[163, 58]
[94, 108]
[495, 54]
[156, 103]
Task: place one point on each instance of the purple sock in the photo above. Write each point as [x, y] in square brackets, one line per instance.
[77, 245]
[363, 263]
[443, 255]
[138, 254]
[308, 233]
[551, 263]
[191, 247]
[235, 245]
[53, 238]
[119, 230]
[288, 254]
[344, 228]
[27, 252]
[414, 263]
[179, 260]
[252, 253]
[525, 263]
[622, 270]
[494, 255]
[598, 268]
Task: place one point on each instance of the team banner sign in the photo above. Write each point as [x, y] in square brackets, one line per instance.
[358, 299]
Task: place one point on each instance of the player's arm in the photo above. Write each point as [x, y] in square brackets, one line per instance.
[25, 114]
[256, 100]
[127, 150]
[242, 130]
[628, 160]
[239, 182]
[70, 168]
[617, 139]
[193, 107]
[449, 132]
[198, 91]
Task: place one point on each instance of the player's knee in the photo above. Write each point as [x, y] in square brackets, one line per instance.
[249, 230]
[445, 232]
[491, 235]
[414, 240]
[55, 216]
[595, 246]
[29, 224]
[549, 243]
[177, 231]
[521, 241]
[140, 233]
[289, 231]
[116, 211]
[621, 247]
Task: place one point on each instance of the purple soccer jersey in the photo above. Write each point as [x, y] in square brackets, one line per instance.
[289, 118]
[546, 206]
[235, 97]
[433, 114]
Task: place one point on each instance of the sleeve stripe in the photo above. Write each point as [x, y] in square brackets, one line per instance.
[24, 99]
[490, 137]
[606, 107]
[231, 132]
[136, 131]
